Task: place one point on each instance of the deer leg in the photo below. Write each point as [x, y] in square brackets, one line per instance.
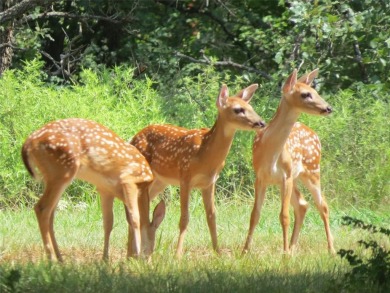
[144, 209]
[44, 211]
[184, 216]
[284, 217]
[52, 237]
[300, 208]
[108, 220]
[131, 249]
[313, 184]
[260, 190]
[209, 205]
[130, 199]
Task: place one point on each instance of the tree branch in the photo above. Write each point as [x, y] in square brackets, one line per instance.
[67, 60]
[112, 19]
[224, 64]
[192, 9]
[359, 60]
[20, 8]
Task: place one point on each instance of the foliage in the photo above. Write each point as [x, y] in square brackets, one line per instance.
[373, 269]
[27, 102]
[346, 39]
[340, 36]
[355, 149]
[355, 164]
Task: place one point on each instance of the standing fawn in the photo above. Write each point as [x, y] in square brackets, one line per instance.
[194, 158]
[285, 152]
[75, 148]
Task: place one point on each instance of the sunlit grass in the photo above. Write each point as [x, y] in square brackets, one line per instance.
[265, 269]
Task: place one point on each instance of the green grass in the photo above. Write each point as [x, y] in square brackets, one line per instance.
[265, 269]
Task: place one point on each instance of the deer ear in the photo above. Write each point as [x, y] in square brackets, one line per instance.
[158, 214]
[223, 95]
[290, 82]
[247, 93]
[309, 77]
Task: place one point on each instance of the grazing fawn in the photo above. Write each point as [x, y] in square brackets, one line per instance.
[75, 148]
[285, 152]
[194, 158]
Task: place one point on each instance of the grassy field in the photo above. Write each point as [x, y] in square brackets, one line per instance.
[355, 176]
[79, 231]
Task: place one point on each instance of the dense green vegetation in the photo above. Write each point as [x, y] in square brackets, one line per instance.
[355, 138]
[256, 38]
[126, 64]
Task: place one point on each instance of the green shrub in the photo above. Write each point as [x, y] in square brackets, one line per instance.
[368, 271]
[27, 102]
[355, 148]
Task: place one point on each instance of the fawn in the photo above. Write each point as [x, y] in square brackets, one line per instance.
[285, 152]
[194, 158]
[75, 148]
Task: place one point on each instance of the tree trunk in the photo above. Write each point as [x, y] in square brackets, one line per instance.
[6, 51]
[6, 40]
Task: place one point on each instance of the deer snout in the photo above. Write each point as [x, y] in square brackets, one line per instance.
[259, 124]
[327, 110]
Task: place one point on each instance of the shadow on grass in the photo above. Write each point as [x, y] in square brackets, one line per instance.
[135, 276]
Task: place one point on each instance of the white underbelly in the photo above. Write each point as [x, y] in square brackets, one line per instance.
[166, 180]
[203, 180]
[197, 181]
[272, 175]
[99, 180]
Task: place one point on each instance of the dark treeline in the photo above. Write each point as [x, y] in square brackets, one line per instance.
[260, 39]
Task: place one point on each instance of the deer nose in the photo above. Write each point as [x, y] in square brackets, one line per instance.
[329, 109]
[260, 124]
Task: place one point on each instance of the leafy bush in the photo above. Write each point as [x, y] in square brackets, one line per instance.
[355, 145]
[111, 98]
[372, 270]
[347, 38]
[355, 165]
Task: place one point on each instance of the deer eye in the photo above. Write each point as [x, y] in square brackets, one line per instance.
[239, 110]
[306, 95]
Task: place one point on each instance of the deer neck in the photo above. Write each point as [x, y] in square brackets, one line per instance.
[279, 128]
[217, 143]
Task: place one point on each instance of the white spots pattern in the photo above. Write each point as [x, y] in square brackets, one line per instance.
[304, 147]
[74, 140]
[169, 146]
[175, 153]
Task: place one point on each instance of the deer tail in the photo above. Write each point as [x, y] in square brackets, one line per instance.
[26, 160]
